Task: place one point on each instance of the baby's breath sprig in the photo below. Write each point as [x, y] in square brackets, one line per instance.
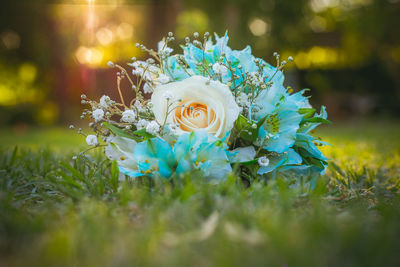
[171, 106]
[185, 66]
[151, 52]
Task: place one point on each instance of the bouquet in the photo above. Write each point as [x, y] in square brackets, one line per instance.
[210, 110]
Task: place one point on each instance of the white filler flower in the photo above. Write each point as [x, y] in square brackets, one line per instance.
[263, 161]
[91, 140]
[139, 106]
[128, 116]
[98, 114]
[152, 127]
[142, 123]
[164, 49]
[162, 78]
[105, 101]
[243, 100]
[147, 88]
[219, 69]
[197, 103]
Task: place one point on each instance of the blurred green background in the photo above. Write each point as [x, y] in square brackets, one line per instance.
[346, 51]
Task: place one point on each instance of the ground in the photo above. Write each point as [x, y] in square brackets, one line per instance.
[64, 212]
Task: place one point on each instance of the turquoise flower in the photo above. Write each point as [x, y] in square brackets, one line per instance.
[155, 156]
[151, 157]
[242, 154]
[121, 149]
[195, 151]
[304, 159]
[203, 152]
[213, 52]
[285, 133]
[175, 70]
[305, 145]
[245, 59]
[277, 161]
[282, 118]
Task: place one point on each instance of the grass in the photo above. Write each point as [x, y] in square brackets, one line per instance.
[56, 139]
[64, 212]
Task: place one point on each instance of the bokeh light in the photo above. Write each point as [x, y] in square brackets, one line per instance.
[259, 27]
[91, 56]
[10, 39]
[104, 36]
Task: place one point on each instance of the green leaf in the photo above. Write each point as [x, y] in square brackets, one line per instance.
[337, 168]
[67, 179]
[303, 152]
[317, 162]
[307, 112]
[261, 122]
[114, 174]
[119, 132]
[244, 126]
[142, 132]
[309, 159]
[241, 122]
[75, 173]
[250, 162]
[316, 120]
[254, 131]
[249, 134]
[13, 156]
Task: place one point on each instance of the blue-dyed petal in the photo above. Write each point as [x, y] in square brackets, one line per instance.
[288, 125]
[241, 154]
[274, 162]
[299, 100]
[305, 141]
[293, 157]
[269, 100]
[290, 157]
[184, 166]
[175, 70]
[164, 169]
[270, 71]
[155, 155]
[130, 173]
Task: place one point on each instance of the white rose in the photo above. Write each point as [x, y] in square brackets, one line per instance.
[207, 105]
